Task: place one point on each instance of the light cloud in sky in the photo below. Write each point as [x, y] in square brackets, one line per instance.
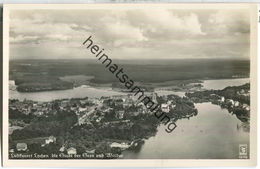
[130, 34]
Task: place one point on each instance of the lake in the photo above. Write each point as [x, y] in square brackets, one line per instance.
[97, 92]
[213, 134]
[222, 83]
[77, 92]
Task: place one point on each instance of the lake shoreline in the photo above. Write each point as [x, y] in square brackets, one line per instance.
[197, 127]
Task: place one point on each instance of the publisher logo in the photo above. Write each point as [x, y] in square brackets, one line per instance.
[243, 150]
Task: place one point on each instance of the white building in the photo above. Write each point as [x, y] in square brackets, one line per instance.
[98, 119]
[91, 151]
[83, 109]
[230, 101]
[62, 149]
[236, 103]
[165, 108]
[21, 146]
[154, 97]
[51, 139]
[118, 145]
[71, 151]
[247, 108]
[120, 114]
[173, 106]
[245, 105]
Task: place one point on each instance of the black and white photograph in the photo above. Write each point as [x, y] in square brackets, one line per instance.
[112, 83]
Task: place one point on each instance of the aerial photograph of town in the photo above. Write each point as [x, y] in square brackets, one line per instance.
[67, 103]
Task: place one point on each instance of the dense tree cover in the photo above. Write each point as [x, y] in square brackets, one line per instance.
[46, 126]
[94, 135]
[232, 93]
[88, 136]
[47, 149]
[228, 93]
[35, 86]
[110, 115]
[50, 71]
[17, 115]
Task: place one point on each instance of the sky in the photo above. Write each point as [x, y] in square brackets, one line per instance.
[130, 33]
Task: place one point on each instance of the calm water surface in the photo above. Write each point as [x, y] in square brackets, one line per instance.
[77, 92]
[212, 134]
[222, 83]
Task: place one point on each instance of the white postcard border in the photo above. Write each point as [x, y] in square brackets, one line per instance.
[133, 163]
